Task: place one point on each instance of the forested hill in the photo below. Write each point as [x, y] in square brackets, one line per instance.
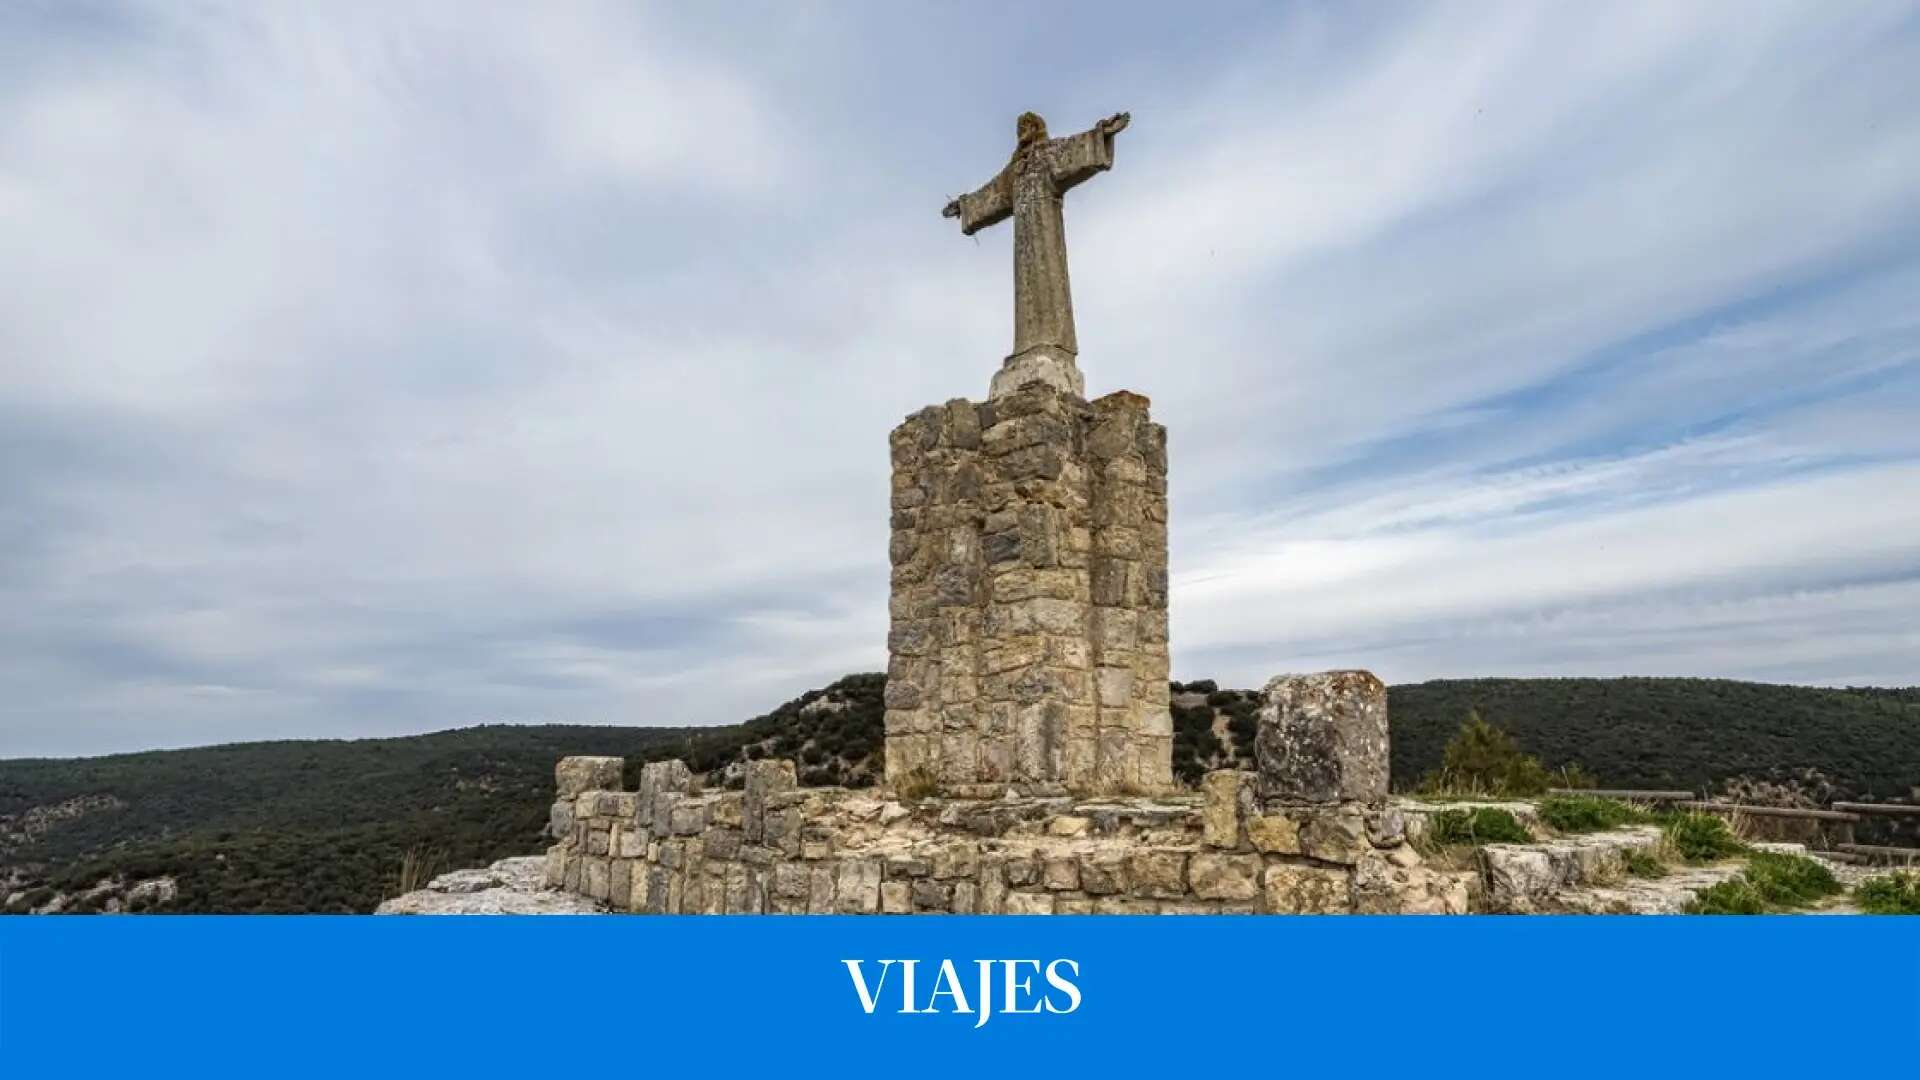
[326, 825]
[1675, 733]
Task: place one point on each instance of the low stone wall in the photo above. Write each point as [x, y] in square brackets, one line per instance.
[778, 848]
[1312, 832]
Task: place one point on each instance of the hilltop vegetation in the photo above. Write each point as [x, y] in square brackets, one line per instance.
[1675, 733]
[324, 826]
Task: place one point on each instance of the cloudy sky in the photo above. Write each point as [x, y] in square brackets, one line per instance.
[378, 368]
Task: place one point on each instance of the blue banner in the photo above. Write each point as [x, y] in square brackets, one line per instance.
[615, 997]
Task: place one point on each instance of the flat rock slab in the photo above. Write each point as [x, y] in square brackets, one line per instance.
[508, 887]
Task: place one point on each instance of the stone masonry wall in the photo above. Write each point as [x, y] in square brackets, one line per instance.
[790, 850]
[1028, 646]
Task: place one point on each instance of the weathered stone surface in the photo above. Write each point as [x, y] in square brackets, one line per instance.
[1031, 854]
[508, 887]
[1381, 887]
[930, 895]
[560, 818]
[765, 778]
[1017, 660]
[1103, 873]
[1334, 836]
[1159, 874]
[597, 879]
[574, 775]
[1290, 889]
[663, 777]
[1218, 876]
[858, 892]
[1516, 874]
[1226, 796]
[1029, 903]
[1323, 738]
[1386, 828]
[1061, 874]
[1277, 834]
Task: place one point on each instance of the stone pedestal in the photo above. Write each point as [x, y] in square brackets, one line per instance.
[1028, 647]
[1048, 364]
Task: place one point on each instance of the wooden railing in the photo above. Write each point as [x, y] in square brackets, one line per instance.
[1630, 795]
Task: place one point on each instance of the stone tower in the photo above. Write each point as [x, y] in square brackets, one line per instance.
[1029, 611]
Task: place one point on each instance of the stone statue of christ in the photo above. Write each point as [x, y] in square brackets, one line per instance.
[1029, 189]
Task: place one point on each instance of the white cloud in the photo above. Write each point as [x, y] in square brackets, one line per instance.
[369, 369]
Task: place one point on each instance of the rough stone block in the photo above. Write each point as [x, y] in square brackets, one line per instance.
[659, 777]
[765, 778]
[1218, 876]
[791, 880]
[687, 818]
[1226, 796]
[930, 895]
[597, 878]
[1029, 903]
[1103, 873]
[1157, 874]
[560, 818]
[1386, 828]
[1275, 834]
[1060, 874]
[574, 775]
[1290, 889]
[1323, 738]
[1334, 836]
[620, 883]
[821, 889]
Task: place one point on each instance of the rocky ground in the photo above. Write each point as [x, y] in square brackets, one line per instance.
[508, 887]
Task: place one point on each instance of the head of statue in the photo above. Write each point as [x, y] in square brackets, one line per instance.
[1031, 129]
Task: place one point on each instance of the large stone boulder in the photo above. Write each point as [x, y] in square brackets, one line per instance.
[1323, 739]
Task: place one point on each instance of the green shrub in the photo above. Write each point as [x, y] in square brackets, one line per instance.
[1771, 882]
[1702, 837]
[1585, 813]
[1790, 880]
[1641, 863]
[1734, 896]
[1479, 825]
[1482, 759]
[1889, 894]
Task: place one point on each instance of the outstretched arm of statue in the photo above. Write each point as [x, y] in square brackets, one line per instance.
[979, 209]
[1078, 157]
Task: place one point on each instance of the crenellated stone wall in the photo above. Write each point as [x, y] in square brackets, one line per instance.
[1028, 646]
[779, 848]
